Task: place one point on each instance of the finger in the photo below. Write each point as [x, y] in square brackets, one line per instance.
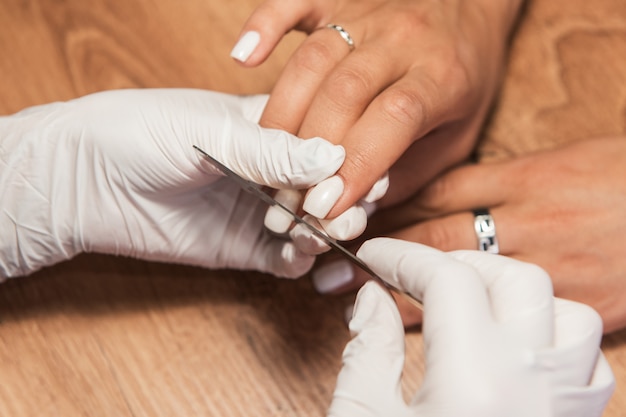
[347, 90]
[466, 188]
[264, 29]
[276, 218]
[576, 363]
[401, 114]
[589, 400]
[305, 240]
[373, 360]
[578, 333]
[273, 158]
[348, 225]
[301, 78]
[520, 293]
[277, 257]
[451, 291]
[416, 167]
[457, 231]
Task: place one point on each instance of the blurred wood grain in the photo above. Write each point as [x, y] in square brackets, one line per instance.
[104, 336]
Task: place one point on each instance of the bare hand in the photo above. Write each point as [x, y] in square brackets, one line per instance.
[422, 71]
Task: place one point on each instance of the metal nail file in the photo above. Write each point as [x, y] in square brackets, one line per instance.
[257, 190]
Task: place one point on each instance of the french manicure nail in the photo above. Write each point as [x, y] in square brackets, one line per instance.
[245, 46]
[278, 220]
[331, 276]
[321, 199]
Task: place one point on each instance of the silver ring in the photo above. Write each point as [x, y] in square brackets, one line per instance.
[344, 34]
[485, 229]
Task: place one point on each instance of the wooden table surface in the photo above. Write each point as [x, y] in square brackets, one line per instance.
[105, 336]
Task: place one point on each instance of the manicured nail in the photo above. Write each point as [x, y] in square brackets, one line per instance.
[378, 190]
[245, 46]
[323, 197]
[278, 220]
[305, 240]
[348, 225]
[332, 276]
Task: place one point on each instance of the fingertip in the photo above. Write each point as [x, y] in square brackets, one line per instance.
[378, 190]
[374, 308]
[264, 29]
[295, 263]
[277, 219]
[348, 225]
[332, 276]
[246, 46]
[305, 240]
[282, 160]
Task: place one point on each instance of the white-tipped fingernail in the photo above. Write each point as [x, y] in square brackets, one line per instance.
[321, 199]
[278, 220]
[378, 190]
[332, 276]
[348, 225]
[246, 46]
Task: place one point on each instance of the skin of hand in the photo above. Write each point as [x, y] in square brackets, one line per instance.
[418, 83]
[561, 209]
[116, 173]
[496, 342]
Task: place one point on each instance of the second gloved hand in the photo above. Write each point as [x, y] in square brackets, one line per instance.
[116, 173]
[496, 341]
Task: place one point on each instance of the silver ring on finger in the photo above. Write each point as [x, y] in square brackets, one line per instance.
[344, 34]
[485, 229]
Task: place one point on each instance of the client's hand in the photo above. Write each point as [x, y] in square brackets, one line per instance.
[419, 82]
[115, 172]
[496, 342]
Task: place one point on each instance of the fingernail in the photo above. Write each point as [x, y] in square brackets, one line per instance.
[348, 225]
[331, 276]
[378, 190]
[278, 220]
[323, 197]
[305, 240]
[245, 46]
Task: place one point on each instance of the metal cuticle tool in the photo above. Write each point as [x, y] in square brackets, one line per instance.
[257, 190]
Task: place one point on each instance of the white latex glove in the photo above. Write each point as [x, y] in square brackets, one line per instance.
[115, 172]
[496, 341]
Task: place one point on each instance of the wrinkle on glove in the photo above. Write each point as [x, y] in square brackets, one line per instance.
[116, 173]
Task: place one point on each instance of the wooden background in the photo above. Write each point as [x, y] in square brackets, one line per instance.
[104, 336]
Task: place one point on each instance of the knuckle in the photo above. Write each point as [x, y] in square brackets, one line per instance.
[314, 57]
[349, 83]
[403, 106]
[437, 236]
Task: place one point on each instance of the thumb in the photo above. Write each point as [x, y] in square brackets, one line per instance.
[369, 381]
[276, 158]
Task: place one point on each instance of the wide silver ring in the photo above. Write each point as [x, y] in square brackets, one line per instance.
[344, 34]
[485, 229]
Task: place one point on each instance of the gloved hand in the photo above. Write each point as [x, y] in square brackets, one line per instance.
[496, 341]
[116, 173]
